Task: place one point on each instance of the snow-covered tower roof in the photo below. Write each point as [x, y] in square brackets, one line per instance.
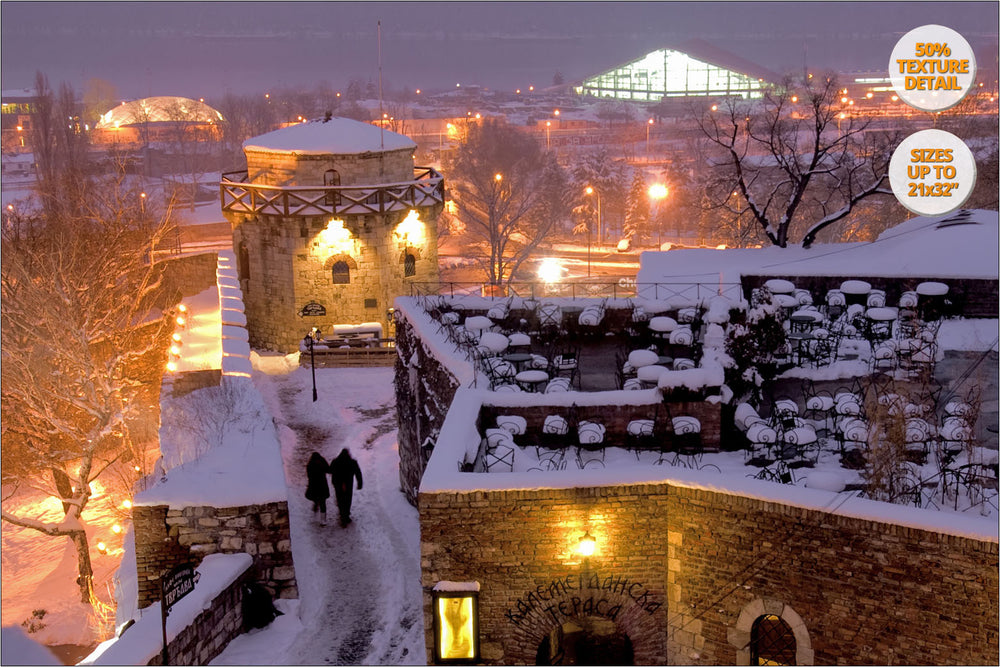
[337, 136]
[336, 151]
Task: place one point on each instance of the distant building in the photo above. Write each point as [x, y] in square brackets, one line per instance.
[16, 110]
[156, 119]
[331, 221]
[694, 69]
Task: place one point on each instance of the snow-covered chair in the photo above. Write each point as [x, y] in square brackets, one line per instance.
[513, 424]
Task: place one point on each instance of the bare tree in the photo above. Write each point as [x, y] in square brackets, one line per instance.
[60, 147]
[498, 179]
[798, 158]
[83, 341]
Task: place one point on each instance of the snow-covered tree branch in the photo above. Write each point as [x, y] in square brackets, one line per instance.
[84, 338]
[796, 161]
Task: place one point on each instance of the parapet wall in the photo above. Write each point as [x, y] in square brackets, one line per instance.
[166, 537]
[684, 572]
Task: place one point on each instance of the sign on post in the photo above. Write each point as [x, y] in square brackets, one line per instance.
[174, 585]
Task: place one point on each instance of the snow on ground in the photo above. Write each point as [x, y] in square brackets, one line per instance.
[17, 648]
[39, 572]
[360, 597]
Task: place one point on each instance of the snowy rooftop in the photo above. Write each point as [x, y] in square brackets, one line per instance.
[338, 136]
[958, 245]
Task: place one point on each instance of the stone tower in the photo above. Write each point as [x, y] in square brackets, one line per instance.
[331, 220]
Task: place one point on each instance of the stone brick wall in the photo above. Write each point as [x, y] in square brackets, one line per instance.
[684, 572]
[167, 537]
[424, 393]
[189, 275]
[284, 168]
[290, 265]
[201, 641]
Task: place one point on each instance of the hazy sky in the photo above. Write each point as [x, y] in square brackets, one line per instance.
[203, 49]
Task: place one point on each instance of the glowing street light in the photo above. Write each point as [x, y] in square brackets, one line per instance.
[549, 270]
[649, 124]
[548, 126]
[658, 192]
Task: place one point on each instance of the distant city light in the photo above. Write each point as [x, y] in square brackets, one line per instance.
[530, 88]
[418, 91]
[550, 270]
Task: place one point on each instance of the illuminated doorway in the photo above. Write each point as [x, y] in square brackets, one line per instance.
[587, 640]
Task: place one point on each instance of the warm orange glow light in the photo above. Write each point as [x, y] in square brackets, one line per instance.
[116, 529]
[586, 545]
[658, 191]
[127, 504]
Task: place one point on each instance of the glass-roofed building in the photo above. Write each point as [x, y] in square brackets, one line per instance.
[695, 69]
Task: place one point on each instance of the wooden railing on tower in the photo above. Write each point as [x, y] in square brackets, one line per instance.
[239, 196]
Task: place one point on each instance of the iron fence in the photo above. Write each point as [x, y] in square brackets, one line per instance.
[621, 289]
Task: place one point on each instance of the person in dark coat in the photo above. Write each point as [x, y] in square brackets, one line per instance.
[343, 470]
[317, 489]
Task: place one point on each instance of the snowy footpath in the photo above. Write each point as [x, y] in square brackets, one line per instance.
[359, 587]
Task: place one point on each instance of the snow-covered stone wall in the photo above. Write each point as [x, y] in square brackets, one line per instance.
[685, 571]
[425, 389]
[199, 626]
[166, 537]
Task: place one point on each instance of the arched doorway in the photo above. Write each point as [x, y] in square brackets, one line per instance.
[586, 640]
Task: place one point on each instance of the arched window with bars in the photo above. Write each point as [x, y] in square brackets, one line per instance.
[772, 641]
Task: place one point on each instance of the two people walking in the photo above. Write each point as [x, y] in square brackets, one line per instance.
[343, 470]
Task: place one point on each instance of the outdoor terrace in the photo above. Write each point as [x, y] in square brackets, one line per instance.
[839, 390]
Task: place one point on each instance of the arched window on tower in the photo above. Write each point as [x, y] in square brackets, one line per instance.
[772, 641]
[409, 265]
[341, 273]
[332, 178]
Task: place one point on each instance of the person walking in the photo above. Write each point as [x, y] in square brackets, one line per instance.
[343, 470]
[317, 489]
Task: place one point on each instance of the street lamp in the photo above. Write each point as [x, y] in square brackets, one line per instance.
[548, 126]
[310, 340]
[649, 124]
[600, 230]
[658, 192]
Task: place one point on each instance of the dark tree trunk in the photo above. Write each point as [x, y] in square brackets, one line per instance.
[86, 572]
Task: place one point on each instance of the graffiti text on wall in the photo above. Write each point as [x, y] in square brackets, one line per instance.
[557, 601]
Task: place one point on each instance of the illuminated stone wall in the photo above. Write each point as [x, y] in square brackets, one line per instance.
[165, 538]
[685, 572]
[290, 264]
[287, 262]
